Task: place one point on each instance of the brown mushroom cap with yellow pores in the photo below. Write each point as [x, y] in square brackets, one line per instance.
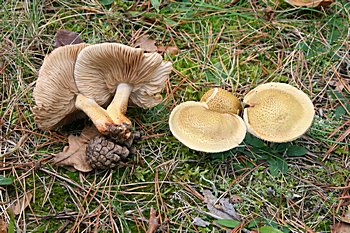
[111, 73]
[277, 112]
[57, 99]
[222, 101]
[200, 126]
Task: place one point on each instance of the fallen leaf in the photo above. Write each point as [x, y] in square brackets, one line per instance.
[149, 45]
[146, 44]
[3, 226]
[339, 85]
[65, 37]
[340, 228]
[223, 210]
[172, 50]
[346, 218]
[200, 222]
[310, 3]
[74, 155]
[19, 205]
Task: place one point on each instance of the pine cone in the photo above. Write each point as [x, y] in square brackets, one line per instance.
[104, 153]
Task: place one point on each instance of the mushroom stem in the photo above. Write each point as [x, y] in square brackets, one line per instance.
[117, 108]
[96, 113]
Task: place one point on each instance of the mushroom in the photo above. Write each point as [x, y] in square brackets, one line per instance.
[210, 125]
[222, 101]
[57, 98]
[111, 69]
[277, 112]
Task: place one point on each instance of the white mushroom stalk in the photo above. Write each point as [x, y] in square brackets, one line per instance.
[118, 107]
[95, 112]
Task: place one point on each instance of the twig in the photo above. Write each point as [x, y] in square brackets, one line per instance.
[153, 223]
[17, 146]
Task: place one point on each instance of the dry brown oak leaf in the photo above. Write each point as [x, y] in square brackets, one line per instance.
[340, 228]
[65, 37]
[3, 226]
[149, 45]
[310, 3]
[74, 155]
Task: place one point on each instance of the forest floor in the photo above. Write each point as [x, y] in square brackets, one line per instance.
[235, 45]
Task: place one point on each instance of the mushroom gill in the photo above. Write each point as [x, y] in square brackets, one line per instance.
[57, 99]
[119, 72]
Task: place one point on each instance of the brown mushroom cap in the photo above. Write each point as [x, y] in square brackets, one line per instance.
[55, 91]
[222, 101]
[101, 68]
[278, 112]
[202, 129]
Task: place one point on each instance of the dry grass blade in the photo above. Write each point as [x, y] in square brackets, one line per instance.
[339, 139]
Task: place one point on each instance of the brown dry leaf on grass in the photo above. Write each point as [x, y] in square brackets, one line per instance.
[146, 44]
[222, 208]
[343, 226]
[150, 46]
[74, 155]
[65, 37]
[310, 3]
[18, 206]
[3, 226]
[340, 228]
[200, 222]
[172, 50]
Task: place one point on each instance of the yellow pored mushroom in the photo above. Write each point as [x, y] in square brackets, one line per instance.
[222, 101]
[277, 112]
[210, 125]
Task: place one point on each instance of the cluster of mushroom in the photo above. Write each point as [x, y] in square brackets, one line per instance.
[275, 112]
[82, 79]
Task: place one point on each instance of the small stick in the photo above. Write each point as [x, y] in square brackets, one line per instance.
[153, 223]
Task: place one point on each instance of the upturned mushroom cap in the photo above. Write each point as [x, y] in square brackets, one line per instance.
[55, 91]
[222, 101]
[202, 129]
[278, 112]
[101, 68]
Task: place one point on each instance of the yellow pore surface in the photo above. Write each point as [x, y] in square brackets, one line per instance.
[220, 100]
[278, 115]
[201, 129]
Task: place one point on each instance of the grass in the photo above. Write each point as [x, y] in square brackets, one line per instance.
[234, 46]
